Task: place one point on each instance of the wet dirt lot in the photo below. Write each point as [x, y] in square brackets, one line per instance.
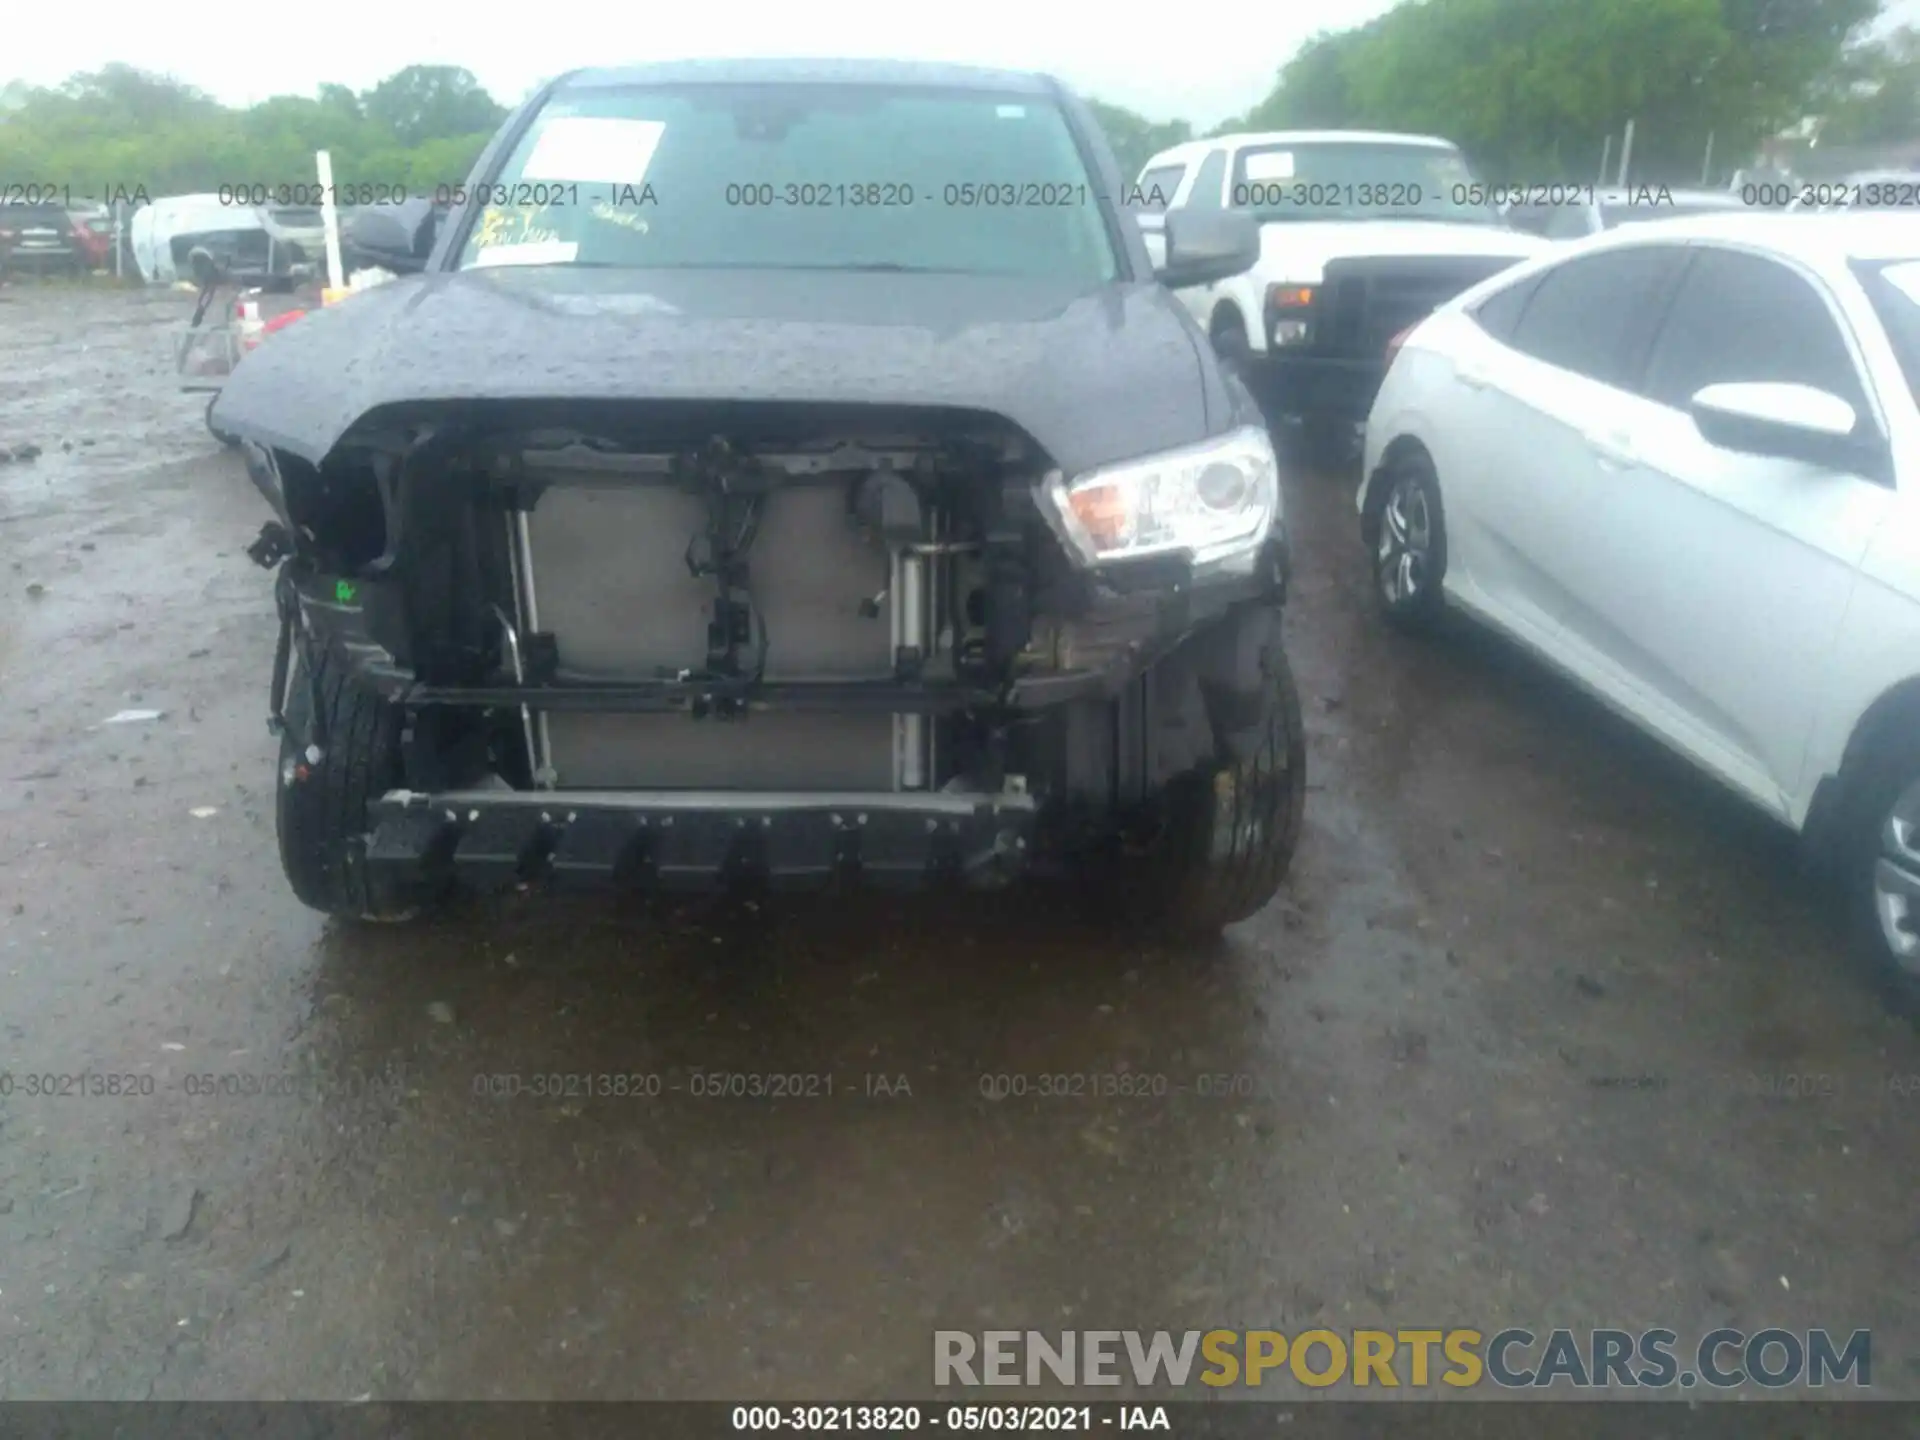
[1544, 1032]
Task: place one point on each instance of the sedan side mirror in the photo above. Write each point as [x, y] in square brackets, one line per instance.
[1782, 422]
[1204, 246]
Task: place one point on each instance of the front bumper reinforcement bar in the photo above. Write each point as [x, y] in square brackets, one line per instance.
[697, 841]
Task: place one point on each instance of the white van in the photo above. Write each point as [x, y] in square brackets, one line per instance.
[166, 234]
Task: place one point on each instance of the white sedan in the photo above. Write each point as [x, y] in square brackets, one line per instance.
[1681, 463]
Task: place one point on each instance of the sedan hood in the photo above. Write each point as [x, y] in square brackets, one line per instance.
[1092, 376]
[1297, 252]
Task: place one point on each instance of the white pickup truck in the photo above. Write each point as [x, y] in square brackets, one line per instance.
[1362, 234]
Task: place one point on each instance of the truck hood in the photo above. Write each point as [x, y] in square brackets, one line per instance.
[1093, 376]
[1297, 252]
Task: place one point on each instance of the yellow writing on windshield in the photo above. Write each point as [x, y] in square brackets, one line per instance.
[513, 225]
[617, 215]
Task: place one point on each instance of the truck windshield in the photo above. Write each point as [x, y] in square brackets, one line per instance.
[1358, 180]
[798, 176]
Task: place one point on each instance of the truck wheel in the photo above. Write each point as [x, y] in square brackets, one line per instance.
[1228, 831]
[1880, 867]
[1231, 346]
[1406, 530]
[320, 812]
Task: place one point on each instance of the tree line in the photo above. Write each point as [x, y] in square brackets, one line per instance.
[1531, 89]
[122, 127]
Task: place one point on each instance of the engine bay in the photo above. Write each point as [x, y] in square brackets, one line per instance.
[835, 607]
[721, 570]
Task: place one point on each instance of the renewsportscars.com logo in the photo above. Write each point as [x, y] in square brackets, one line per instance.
[1390, 1359]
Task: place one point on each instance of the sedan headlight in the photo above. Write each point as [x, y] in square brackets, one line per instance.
[1208, 501]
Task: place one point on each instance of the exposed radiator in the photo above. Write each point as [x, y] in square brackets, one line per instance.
[618, 597]
[610, 569]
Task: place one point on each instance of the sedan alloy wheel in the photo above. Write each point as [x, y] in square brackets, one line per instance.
[1896, 880]
[1403, 561]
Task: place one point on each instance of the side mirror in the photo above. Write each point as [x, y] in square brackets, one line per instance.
[1781, 422]
[395, 237]
[1203, 246]
[377, 232]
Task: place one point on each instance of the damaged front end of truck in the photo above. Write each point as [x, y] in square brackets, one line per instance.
[685, 646]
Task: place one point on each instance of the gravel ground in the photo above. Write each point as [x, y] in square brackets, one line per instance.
[1505, 905]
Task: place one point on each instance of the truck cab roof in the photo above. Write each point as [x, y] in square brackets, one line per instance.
[936, 75]
[1194, 149]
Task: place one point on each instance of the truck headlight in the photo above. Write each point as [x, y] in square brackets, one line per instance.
[1208, 501]
[1289, 311]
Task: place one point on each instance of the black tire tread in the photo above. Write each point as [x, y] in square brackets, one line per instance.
[322, 821]
[1187, 894]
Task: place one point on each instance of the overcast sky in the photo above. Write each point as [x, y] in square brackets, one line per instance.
[244, 53]
[1233, 50]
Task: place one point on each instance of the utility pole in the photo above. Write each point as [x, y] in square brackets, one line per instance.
[1606, 154]
[1706, 165]
[1626, 154]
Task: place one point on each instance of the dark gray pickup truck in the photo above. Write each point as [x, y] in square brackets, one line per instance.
[780, 473]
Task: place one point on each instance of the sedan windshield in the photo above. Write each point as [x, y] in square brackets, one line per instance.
[1894, 288]
[798, 176]
[1358, 180]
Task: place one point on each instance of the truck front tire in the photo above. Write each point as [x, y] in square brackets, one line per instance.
[323, 790]
[1227, 830]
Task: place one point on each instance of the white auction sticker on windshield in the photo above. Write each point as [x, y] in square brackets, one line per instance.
[594, 147]
[530, 252]
[1268, 165]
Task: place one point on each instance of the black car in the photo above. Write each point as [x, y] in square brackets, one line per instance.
[781, 473]
[40, 239]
